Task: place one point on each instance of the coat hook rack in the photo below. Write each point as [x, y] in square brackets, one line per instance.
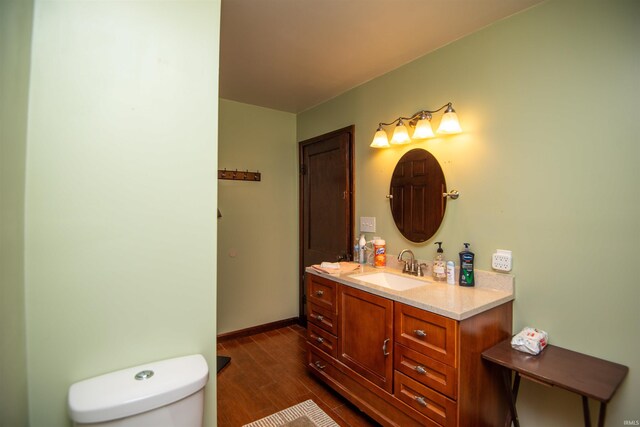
[236, 175]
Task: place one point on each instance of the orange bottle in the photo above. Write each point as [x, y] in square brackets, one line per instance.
[379, 254]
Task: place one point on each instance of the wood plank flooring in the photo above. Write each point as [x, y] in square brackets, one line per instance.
[268, 373]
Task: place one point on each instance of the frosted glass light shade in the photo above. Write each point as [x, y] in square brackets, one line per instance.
[400, 135]
[423, 130]
[380, 140]
[449, 123]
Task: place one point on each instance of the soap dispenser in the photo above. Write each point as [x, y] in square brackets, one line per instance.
[439, 265]
[466, 267]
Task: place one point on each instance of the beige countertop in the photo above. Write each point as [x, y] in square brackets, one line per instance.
[453, 301]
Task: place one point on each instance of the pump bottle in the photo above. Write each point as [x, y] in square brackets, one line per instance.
[439, 265]
[466, 267]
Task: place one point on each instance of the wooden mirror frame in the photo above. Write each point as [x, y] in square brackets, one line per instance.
[416, 195]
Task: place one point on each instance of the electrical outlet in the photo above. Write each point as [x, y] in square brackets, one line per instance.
[367, 224]
[502, 260]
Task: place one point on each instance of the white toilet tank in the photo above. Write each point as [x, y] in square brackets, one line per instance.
[168, 393]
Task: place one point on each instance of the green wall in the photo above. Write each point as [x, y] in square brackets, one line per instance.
[15, 45]
[546, 167]
[257, 234]
[120, 192]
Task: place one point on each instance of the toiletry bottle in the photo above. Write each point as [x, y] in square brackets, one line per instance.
[356, 251]
[466, 267]
[439, 266]
[362, 244]
[380, 254]
[451, 273]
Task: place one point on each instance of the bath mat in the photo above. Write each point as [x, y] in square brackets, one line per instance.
[305, 414]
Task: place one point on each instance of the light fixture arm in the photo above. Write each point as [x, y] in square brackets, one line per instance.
[410, 119]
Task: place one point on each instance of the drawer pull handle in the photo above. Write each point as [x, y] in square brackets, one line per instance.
[320, 340]
[320, 365]
[384, 347]
[421, 370]
[420, 400]
[319, 317]
[420, 332]
[319, 292]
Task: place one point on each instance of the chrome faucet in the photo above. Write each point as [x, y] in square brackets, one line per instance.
[409, 266]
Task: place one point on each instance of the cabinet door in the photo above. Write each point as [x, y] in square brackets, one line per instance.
[365, 335]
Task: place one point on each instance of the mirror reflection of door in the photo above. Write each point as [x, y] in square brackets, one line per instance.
[417, 202]
[326, 201]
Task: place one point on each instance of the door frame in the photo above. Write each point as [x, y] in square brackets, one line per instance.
[350, 174]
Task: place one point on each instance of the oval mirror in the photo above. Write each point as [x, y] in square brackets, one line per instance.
[417, 204]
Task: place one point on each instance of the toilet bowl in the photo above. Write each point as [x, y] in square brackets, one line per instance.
[168, 393]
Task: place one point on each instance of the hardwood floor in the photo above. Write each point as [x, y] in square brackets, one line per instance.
[267, 373]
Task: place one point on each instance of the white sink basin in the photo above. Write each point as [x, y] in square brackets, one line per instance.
[391, 281]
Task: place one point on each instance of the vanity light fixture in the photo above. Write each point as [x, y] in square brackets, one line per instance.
[421, 122]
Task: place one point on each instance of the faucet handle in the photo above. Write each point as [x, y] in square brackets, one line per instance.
[405, 269]
[414, 267]
[420, 271]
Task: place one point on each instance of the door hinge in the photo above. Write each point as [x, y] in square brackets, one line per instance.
[303, 169]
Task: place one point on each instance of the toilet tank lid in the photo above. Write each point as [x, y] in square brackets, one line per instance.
[119, 394]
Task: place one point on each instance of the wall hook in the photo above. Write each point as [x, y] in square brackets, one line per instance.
[239, 176]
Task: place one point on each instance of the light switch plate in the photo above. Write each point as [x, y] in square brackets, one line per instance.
[367, 224]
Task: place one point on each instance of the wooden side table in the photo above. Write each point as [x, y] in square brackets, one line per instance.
[585, 375]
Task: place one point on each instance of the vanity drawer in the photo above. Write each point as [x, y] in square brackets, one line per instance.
[430, 372]
[322, 339]
[427, 333]
[320, 362]
[426, 401]
[325, 319]
[322, 292]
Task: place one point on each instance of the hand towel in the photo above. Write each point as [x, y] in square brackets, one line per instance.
[342, 267]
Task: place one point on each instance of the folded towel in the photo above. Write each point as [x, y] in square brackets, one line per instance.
[336, 267]
[330, 265]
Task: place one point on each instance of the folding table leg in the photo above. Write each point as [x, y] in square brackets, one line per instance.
[511, 396]
[603, 412]
[585, 411]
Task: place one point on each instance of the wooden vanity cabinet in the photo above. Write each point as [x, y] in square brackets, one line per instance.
[404, 366]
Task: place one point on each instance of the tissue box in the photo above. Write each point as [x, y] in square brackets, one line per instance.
[530, 340]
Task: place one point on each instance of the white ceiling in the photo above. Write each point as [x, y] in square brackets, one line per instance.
[291, 55]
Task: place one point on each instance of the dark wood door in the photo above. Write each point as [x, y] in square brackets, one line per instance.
[326, 201]
[365, 335]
